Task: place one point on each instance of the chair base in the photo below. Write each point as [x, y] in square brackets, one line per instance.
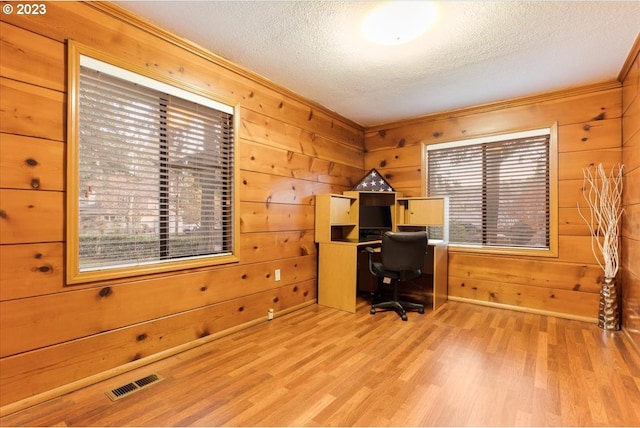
[398, 306]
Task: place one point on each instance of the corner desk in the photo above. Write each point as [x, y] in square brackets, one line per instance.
[340, 247]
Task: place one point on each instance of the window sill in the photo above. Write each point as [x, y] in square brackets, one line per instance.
[156, 268]
[503, 251]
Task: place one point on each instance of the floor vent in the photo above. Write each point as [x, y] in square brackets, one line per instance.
[130, 388]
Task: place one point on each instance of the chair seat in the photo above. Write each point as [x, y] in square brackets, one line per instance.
[402, 275]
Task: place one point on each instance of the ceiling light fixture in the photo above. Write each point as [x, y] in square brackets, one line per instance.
[399, 22]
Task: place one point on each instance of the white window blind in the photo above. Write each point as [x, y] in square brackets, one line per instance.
[499, 189]
[155, 175]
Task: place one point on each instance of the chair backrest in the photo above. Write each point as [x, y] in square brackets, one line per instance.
[403, 251]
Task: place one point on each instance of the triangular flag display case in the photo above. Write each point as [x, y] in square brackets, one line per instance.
[374, 182]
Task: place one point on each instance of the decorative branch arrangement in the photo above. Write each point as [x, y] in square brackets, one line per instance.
[604, 196]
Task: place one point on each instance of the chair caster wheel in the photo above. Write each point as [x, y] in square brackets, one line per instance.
[372, 311]
[404, 317]
[421, 311]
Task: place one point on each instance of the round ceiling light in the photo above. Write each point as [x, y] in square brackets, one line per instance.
[399, 22]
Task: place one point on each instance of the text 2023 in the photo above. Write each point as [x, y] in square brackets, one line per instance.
[31, 9]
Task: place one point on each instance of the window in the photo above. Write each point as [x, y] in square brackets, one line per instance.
[501, 190]
[151, 174]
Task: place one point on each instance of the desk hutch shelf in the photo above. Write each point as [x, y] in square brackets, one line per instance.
[336, 218]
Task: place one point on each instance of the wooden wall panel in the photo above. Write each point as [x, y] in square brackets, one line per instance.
[538, 273]
[31, 216]
[631, 150]
[589, 132]
[631, 179]
[570, 164]
[267, 188]
[581, 106]
[396, 157]
[631, 222]
[275, 133]
[31, 270]
[631, 79]
[570, 193]
[31, 163]
[265, 246]
[630, 248]
[46, 320]
[50, 367]
[268, 217]
[599, 134]
[575, 249]
[570, 223]
[289, 149]
[259, 158]
[18, 115]
[515, 295]
[29, 57]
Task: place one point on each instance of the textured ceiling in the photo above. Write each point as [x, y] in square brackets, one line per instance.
[477, 52]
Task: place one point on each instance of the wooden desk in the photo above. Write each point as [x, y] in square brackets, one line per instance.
[338, 272]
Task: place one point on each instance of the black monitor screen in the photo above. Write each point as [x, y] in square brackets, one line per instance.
[375, 217]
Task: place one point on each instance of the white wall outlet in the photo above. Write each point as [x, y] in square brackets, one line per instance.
[277, 274]
[270, 314]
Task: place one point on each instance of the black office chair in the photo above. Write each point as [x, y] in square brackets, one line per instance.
[402, 256]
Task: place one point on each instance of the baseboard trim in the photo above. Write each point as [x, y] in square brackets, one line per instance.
[524, 309]
[99, 377]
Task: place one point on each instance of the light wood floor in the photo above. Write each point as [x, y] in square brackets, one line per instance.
[463, 365]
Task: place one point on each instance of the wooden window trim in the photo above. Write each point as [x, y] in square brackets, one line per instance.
[73, 274]
[552, 251]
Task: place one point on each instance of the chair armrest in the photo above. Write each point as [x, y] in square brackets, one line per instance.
[370, 251]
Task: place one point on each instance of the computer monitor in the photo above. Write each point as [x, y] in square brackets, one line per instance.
[374, 221]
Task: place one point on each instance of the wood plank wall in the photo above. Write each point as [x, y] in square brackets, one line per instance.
[589, 131]
[630, 263]
[289, 150]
